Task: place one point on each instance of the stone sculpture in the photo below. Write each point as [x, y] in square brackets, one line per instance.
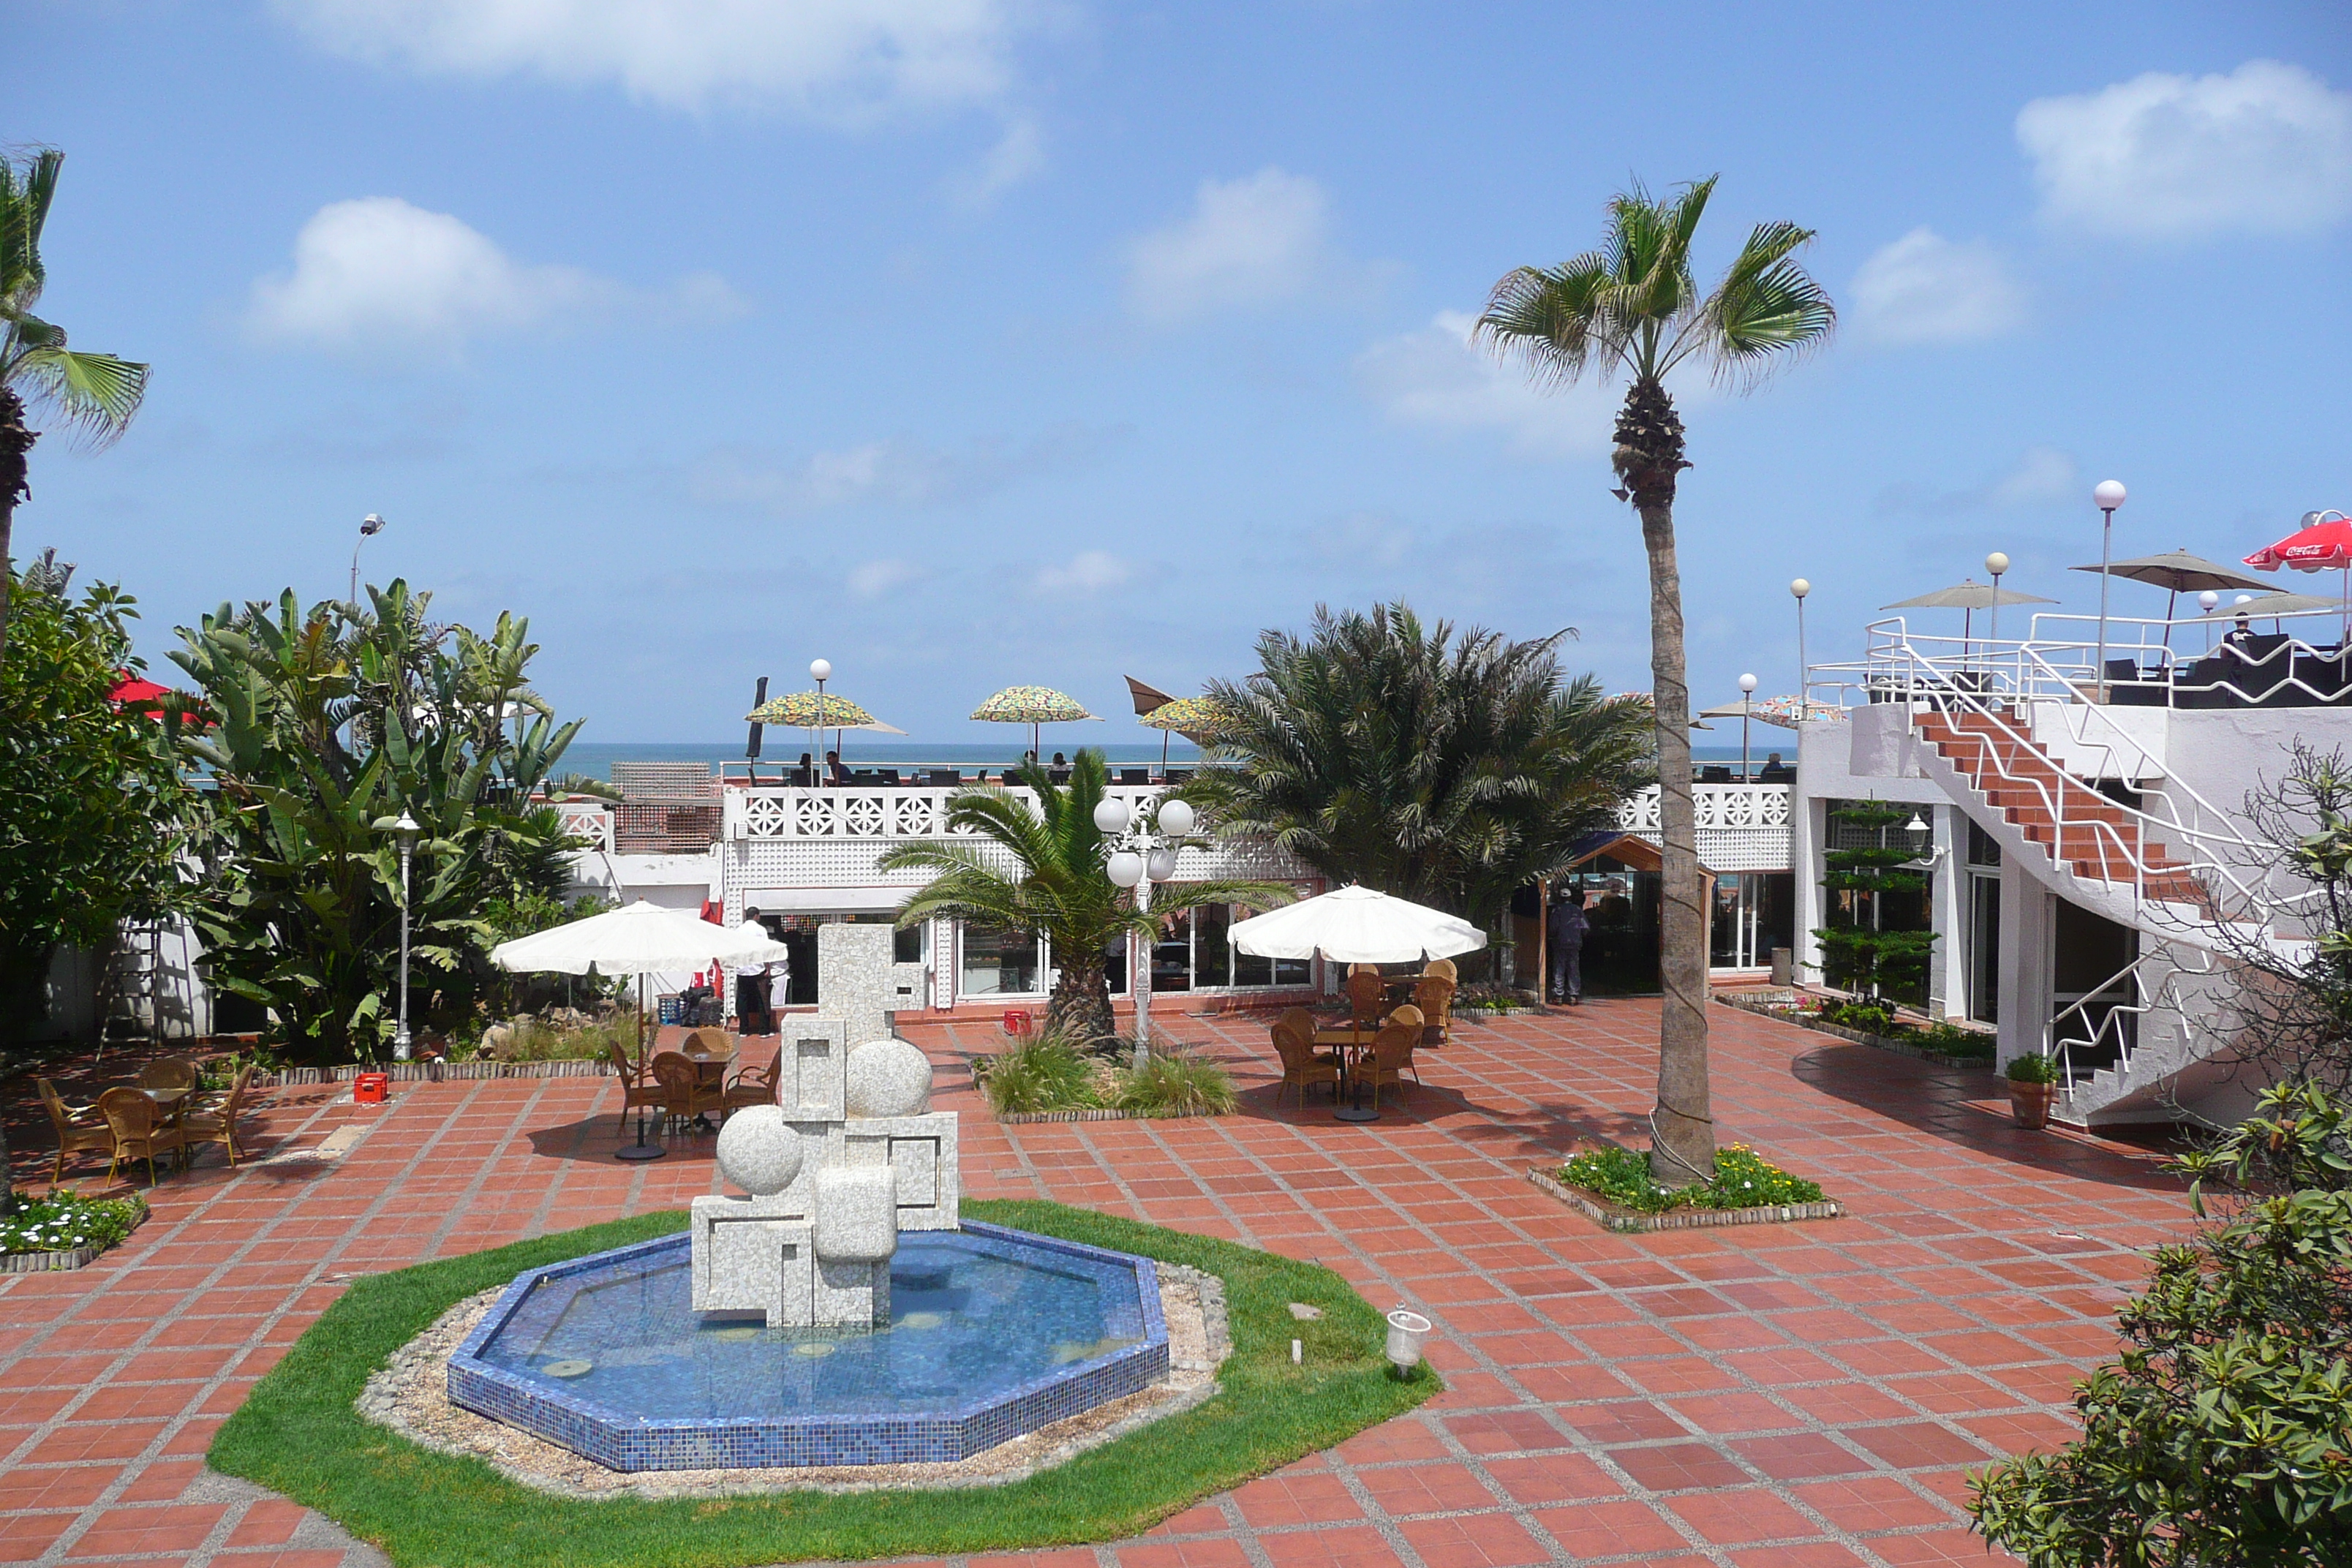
[850, 1156]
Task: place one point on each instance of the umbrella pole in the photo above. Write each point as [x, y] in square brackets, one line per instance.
[640, 1150]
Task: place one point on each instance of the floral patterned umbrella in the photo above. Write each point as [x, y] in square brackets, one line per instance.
[1033, 706]
[817, 711]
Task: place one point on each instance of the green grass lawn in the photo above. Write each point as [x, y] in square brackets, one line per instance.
[298, 1433]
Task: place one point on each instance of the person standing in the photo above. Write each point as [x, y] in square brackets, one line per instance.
[752, 990]
[779, 994]
[1567, 934]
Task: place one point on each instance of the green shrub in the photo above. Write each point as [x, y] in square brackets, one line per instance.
[1177, 1083]
[2033, 1068]
[1955, 1041]
[2223, 1434]
[1869, 1018]
[65, 1220]
[1047, 1072]
[1743, 1179]
[535, 1040]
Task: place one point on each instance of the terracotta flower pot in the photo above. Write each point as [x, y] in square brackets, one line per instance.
[2031, 1102]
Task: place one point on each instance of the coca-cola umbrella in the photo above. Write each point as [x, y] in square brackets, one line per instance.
[2323, 542]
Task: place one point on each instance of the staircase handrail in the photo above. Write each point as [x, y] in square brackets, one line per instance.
[2111, 852]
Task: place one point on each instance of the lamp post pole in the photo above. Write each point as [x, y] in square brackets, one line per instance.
[1746, 697]
[2205, 602]
[820, 671]
[1797, 591]
[370, 526]
[2109, 495]
[1140, 856]
[407, 829]
[1995, 564]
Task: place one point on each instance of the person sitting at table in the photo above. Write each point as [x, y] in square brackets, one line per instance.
[835, 774]
[2241, 634]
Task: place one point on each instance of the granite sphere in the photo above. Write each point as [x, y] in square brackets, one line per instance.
[758, 1150]
[890, 1078]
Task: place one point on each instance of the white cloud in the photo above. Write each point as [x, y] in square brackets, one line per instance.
[837, 60]
[900, 472]
[1434, 377]
[2043, 474]
[2266, 149]
[1017, 156]
[1088, 571]
[873, 579]
[378, 274]
[1251, 241]
[1925, 288]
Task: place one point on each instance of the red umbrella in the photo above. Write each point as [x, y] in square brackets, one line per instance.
[131, 691]
[2324, 541]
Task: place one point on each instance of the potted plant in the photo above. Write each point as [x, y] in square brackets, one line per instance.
[2032, 1086]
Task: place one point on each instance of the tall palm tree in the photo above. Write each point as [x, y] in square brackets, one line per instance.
[1450, 768]
[1631, 306]
[95, 394]
[1041, 871]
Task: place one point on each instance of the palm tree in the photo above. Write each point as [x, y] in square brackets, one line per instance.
[1041, 871]
[1450, 770]
[1631, 305]
[95, 394]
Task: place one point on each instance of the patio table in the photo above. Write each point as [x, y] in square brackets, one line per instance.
[711, 1067]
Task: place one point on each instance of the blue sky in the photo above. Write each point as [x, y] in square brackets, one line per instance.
[972, 341]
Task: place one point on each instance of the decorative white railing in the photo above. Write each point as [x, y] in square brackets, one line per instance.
[590, 822]
[885, 813]
[1718, 807]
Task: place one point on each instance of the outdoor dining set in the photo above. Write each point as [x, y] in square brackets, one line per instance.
[1370, 1047]
[164, 1111]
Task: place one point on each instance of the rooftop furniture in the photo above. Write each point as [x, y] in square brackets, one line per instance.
[214, 1120]
[168, 1072]
[638, 1088]
[76, 1127]
[684, 1094]
[1135, 775]
[140, 1130]
[1302, 1064]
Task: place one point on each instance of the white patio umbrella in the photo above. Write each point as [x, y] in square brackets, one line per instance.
[639, 939]
[1356, 925]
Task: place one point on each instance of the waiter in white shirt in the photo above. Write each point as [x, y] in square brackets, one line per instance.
[752, 990]
[779, 994]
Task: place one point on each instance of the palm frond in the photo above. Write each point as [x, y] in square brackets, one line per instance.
[96, 395]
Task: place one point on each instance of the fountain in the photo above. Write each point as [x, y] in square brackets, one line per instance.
[839, 1312]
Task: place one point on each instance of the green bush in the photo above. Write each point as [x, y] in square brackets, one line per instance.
[536, 1040]
[1955, 1041]
[2033, 1068]
[65, 1220]
[1743, 1179]
[1869, 1018]
[2223, 1434]
[1177, 1083]
[1047, 1072]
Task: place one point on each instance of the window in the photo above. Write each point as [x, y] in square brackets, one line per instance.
[1984, 850]
[1755, 911]
[1001, 964]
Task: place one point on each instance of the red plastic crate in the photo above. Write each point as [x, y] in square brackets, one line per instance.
[1018, 1024]
[371, 1087]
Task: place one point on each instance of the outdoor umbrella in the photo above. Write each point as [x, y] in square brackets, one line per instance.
[1147, 698]
[819, 710]
[2176, 572]
[1967, 596]
[2325, 539]
[1033, 706]
[1203, 719]
[1356, 925]
[1789, 711]
[639, 939]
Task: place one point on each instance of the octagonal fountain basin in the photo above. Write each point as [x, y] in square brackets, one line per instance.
[993, 1332]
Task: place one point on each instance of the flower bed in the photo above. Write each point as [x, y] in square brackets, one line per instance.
[1051, 1078]
[65, 1230]
[1947, 1044]
[1616, 1188]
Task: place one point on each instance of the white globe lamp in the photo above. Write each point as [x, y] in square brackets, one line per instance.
[1111, 815]
[2110, 495]
[1125, 868]
[1175, 818]
[820, 669]
[1162, 865]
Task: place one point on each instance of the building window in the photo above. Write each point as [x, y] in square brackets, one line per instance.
[1001, 964]
[1984, 850]
[1195, 953]
[1755, 911]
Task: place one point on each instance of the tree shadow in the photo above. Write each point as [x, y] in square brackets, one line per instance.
[594, 1139]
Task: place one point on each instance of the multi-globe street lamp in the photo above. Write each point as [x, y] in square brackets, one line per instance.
[406, 828]
[1143, 851]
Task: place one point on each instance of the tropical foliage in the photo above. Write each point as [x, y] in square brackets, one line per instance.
[93, 814]
[1633, 306]
[1041, 869]
[322, 727]
[1448, 768]
[2224, 1432]
[1874, 943]
[95, 394]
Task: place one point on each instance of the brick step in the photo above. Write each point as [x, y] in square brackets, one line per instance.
[2028, 806]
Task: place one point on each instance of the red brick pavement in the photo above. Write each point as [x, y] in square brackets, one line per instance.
[1766, 1395]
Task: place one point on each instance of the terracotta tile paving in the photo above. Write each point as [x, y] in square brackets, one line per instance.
[1778, 1395]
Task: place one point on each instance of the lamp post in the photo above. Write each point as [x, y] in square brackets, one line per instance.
[820, 671]
[1746, 695]
[1142, 855]
[406, 828]
[1997, 565]
[1797, 591]
[2109, 495]
[2206, 604]
[370, 526]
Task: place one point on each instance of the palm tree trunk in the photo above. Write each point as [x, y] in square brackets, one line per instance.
[1080, 1004]
[1648, 459]
[15, 442]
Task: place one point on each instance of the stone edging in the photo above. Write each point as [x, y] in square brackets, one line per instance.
[422, 1072]
[80, 1257]
[1019, 1117]
[1609, 1216]
[1877, 1042]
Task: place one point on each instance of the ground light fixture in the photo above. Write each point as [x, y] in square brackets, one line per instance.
[1142, 855]
[2109, 495]
[1407, 1329]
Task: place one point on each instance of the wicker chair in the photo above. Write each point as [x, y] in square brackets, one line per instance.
[1391, 1053]
[755, 1086]
[168, 1072]
[1366, 993]
[1434, 996]
[140, 1130]
[216, 1122]
[77, 1126]
[684, 1095]
[637, 1088]
[1302, 1064]
[1441, 969]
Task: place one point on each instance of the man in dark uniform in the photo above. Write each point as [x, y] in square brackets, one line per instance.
[1566, 935]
